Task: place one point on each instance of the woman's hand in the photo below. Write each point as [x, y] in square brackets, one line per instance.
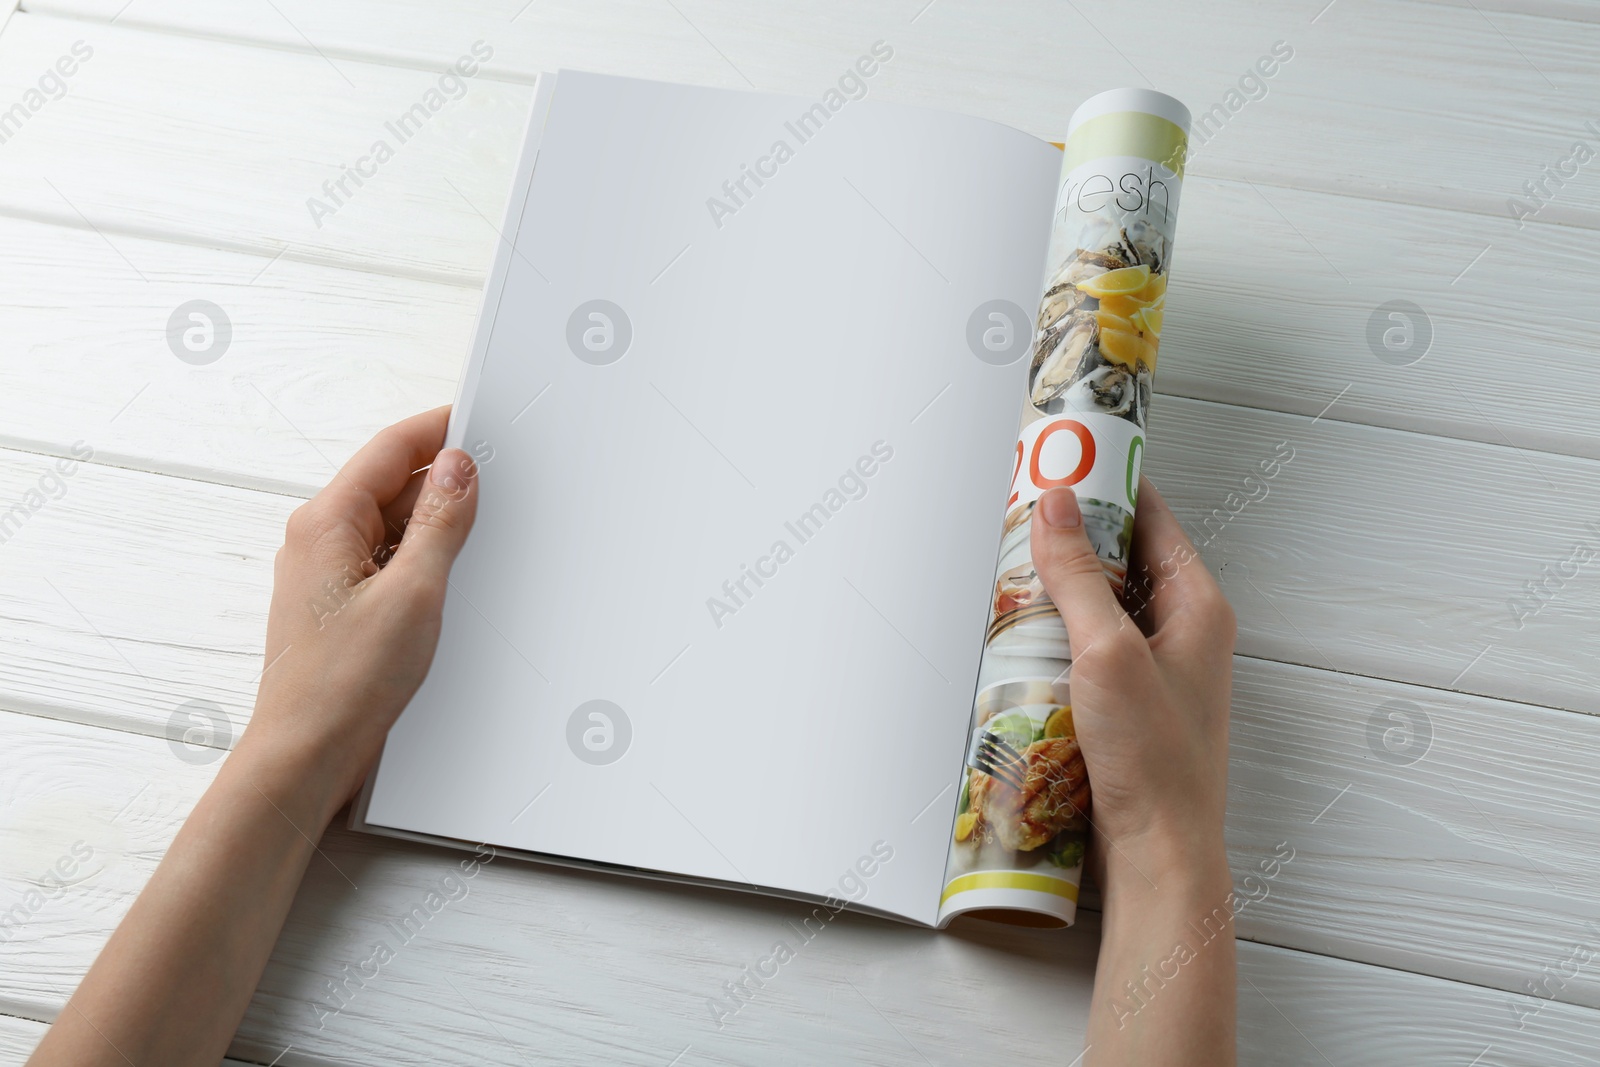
[356, 602]
[1150, 698]
[1150, 703]
[357, 592]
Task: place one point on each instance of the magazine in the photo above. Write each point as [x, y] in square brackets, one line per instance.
[749, 601]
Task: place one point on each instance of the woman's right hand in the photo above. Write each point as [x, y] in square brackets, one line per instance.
[1150, 697]
[1149, 702]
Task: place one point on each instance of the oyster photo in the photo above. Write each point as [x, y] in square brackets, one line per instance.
[1100, 326]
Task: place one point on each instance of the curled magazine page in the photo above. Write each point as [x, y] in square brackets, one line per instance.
[1023, 818]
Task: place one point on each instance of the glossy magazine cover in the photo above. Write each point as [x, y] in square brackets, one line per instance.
[1024, 815]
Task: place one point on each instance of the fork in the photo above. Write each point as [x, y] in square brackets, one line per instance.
[994, 756]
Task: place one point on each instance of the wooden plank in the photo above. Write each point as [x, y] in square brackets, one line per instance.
[127, 595]
[1501, 866]
[1466, 103]
[1404, 1019]
[577, 967]
[318, 358]
[1577, 10]
[19, 1037]
[1282, 299]
[569, 967]
[1436, 833]
[1391, 554]
[1278, 295]
[1304, 1009]
[240, 163]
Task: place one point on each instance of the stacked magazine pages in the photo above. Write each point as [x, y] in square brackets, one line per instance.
[750, 599]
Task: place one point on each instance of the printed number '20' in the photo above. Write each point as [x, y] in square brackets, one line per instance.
[1085, 458]
[1097, 456]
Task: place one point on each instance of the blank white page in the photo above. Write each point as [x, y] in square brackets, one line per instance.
[772, 349]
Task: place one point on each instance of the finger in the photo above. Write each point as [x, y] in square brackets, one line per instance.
[1163, 555]
[439, 523]
[384, 465]
[397, 513]
[1071, 571]
[380, 471]
[1176, 588]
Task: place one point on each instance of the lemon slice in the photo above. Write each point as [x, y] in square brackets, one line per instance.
[1110, 320]
[1148, 320]
[1059, 724]
[1126, 348]
[1121, 306]
[965, 823]
[1124, 281]
[1155, 288]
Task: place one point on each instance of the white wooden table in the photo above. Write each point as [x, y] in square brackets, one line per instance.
[1410, 718]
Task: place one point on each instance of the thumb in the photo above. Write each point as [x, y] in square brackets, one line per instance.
[1071, 572]
[440, 521]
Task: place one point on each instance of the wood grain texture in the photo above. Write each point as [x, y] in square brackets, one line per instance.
[1401, 803]
[1392, 554]
[1278, 298]
[543, 964]
[126, 595]
[1296, 1008]
[132, 149]
[529, 962]
[1579, 10]
[1433, 530]
[1491, 843]
[19, 1037]
[1452, 105]
[319, 359]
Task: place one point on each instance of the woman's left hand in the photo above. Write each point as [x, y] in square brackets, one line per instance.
[357, 594]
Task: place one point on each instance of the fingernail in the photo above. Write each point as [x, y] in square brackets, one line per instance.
[451, 470]
[1059, 507]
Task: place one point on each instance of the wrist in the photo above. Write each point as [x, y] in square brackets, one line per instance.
[1170, 863]
[1165, 981]
[294, 779]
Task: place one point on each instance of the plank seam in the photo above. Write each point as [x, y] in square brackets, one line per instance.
[374, 57]
[195, 475]
[232, 1060]
[1457, 206]
[65, 713]
[303, 491]
[1472, 693]
[412, 62]
[378, 58]
[63, 221]
[1274, 947]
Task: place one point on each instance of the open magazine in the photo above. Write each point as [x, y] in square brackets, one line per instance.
[743, 394]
